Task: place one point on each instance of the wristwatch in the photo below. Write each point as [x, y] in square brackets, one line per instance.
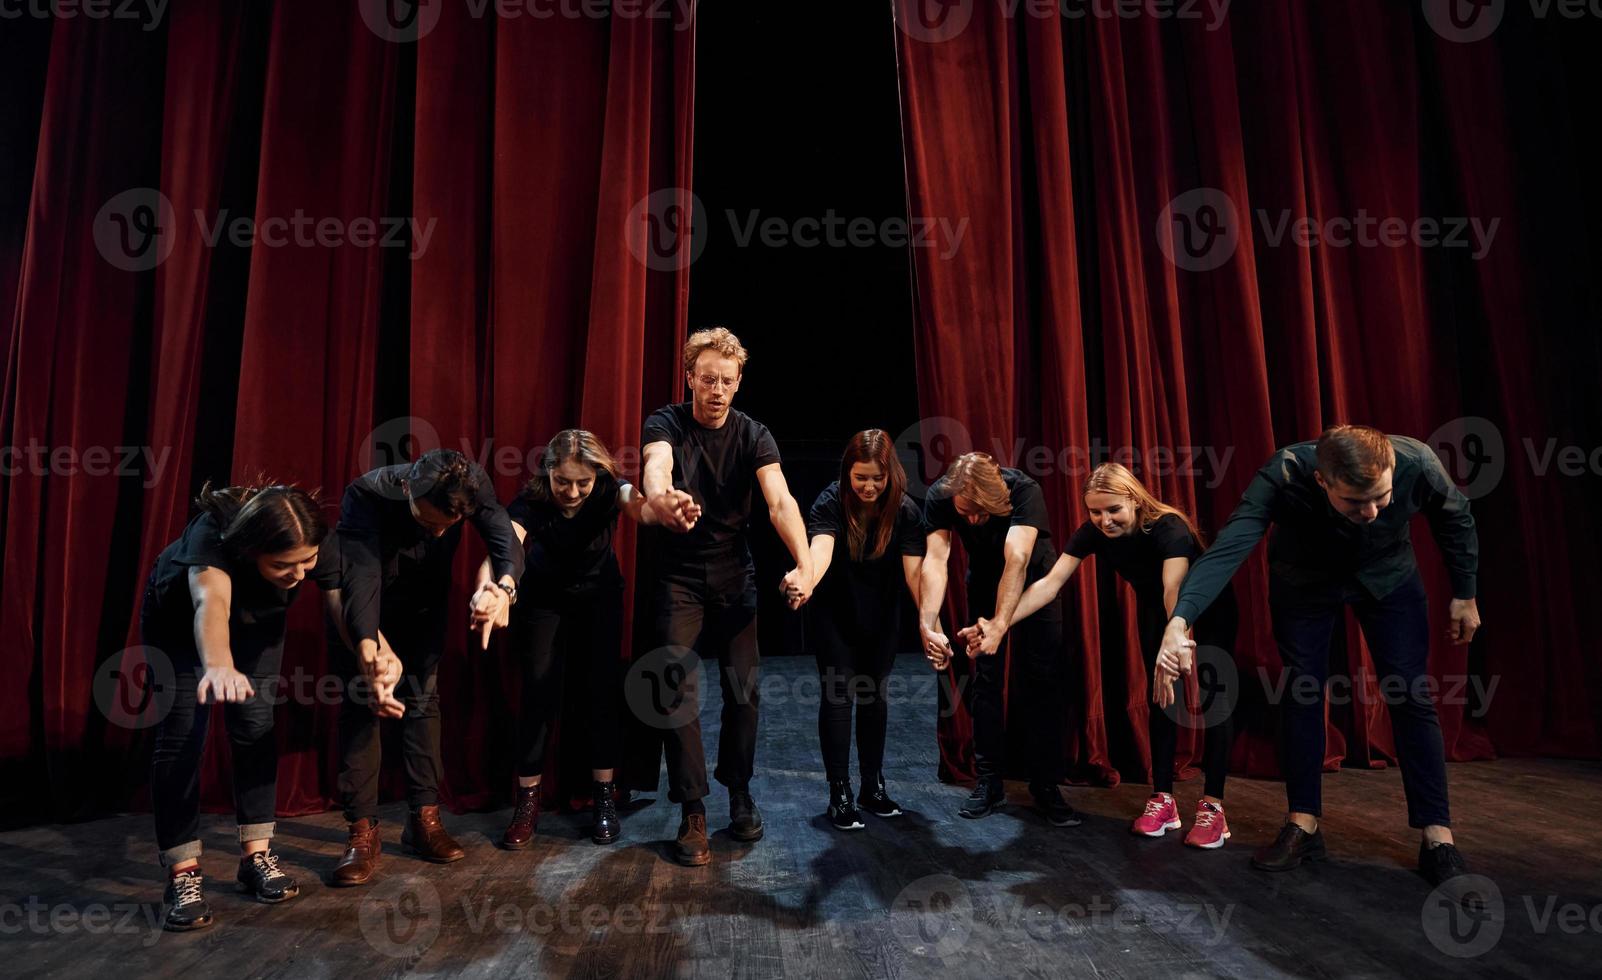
[511, 593]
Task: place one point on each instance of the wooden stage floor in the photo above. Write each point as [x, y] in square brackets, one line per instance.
[928, 894]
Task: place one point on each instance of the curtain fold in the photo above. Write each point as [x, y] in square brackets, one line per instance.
[1083, 151]
[498, 162]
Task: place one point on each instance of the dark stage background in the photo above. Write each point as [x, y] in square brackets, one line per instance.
[542, 151]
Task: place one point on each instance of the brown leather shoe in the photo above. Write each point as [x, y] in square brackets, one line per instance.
[427, 838]
[691, 847]
[361, 854]
[525, 817]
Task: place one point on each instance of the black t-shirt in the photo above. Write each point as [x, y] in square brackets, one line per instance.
[717, 467]
[870, 585]
[569, 555]
[1138, 557]
[985, 543]
[257, 608]
[392, 564]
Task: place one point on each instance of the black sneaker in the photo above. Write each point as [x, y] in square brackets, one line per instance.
[875, 800]
[1050, 804]
[186, 903]
[1293, 846]
[745, 820]
[988, 794]
[842, 812]
[1441, 863]
[260, 878]
[607, 827]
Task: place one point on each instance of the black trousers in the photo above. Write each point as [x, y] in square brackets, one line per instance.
[181, 738]
[1215, 638]
[707, 610]
[1398, 633]
[560, 634]
[854, 664]
[1035, 647]
[417, 636]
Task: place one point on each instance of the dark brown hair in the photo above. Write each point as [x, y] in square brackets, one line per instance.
[579, 445]
[1355, 455]
[447, 480]
[264, 520]
[869, 527]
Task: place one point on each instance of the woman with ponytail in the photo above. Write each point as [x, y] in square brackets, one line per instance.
[866, 527]
[571, 617]
[1151, 546]
[215, 606]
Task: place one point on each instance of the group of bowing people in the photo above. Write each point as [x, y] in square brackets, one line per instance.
[217, 598]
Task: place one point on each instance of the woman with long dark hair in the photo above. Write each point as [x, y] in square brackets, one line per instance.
[215, 605]
[1151, 546]
[865, 527]
[571, 617]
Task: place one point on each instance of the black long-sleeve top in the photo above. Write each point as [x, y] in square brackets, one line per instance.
[1313, 544]
[391, 561]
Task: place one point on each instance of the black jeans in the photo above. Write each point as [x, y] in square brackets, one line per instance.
[181, 738]
[708, 610]
[1035, 647]
[1215, 637]
[563, 633]
[853, 665]
[418, 638]
[1398, 633]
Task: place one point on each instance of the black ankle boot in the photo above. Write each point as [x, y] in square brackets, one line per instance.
[607, 826]
[842, 812]
[875, 800]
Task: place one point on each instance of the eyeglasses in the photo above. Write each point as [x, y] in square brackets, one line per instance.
[711, 383]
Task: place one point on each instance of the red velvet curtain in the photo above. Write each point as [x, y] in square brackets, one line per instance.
[518, 149]
[1061, 322]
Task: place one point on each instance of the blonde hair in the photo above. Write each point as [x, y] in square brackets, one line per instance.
[977, 477]
[578, 445]
[1116, 479]
[717, 339]
[1355, 455]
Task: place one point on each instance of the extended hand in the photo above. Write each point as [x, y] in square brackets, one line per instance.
[224, 684]
[1162, 687]
[936, 647]
[796, 588]
[988, 641]
[676, 510]
[488, 609]
[1465, 620]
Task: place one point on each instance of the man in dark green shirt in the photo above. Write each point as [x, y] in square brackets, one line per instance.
[1341, 510]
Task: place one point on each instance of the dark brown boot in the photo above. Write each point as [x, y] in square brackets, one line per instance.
[691, 847]
[525, 817]
[361, 854]
[427, 838]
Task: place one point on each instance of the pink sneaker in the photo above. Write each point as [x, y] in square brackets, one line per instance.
[1160, 817]
[1211, 829]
